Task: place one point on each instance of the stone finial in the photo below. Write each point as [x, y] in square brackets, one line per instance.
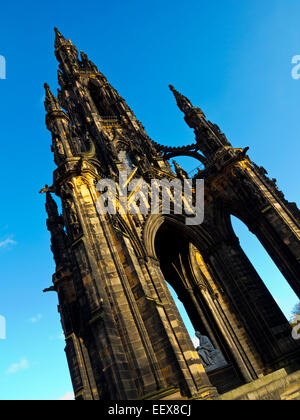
[59, 39]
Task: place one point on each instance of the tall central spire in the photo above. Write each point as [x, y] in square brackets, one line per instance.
[66, 53]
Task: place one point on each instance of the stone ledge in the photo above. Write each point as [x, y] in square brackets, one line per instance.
[278, 385]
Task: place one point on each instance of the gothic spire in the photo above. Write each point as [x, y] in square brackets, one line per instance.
[51, 102]
[58, 123]
[208, 135]
[184, 104]
[66, 53]
[60, 39]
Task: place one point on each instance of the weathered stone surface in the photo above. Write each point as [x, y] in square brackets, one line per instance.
[276, 386]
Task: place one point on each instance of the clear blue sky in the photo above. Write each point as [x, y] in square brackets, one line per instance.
[232, 58]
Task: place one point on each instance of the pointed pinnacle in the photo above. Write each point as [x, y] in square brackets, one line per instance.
[47, 90]
[60, 39]
[57, 33]
[184, 104]
[175, 92]
[51, 102]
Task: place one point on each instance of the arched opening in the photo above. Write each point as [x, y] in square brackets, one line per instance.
[178, 261]
[266, 268]
[185, 317]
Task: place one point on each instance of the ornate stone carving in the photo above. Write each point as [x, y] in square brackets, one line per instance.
[55, 225]
[71, 215]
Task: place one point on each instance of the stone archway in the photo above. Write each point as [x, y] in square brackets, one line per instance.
[177, 249]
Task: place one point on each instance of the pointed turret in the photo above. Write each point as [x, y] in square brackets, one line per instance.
[58, 123]
[60, 39]
[66, 53]
[208, 135]
[51, 102]
[184, 104]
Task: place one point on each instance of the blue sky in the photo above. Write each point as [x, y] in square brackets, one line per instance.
[232, 58]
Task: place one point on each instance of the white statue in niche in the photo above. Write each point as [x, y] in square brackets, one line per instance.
[211, 358]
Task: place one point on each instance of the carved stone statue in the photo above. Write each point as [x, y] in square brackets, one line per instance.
[59, 146]
[211, 358]
[55, 225]
[72, 215]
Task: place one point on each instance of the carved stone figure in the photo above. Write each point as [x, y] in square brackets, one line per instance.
[73, 218]
[56, 227]
[211, 358]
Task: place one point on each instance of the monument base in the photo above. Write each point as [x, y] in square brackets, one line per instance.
[279, 385]
[225, 379]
